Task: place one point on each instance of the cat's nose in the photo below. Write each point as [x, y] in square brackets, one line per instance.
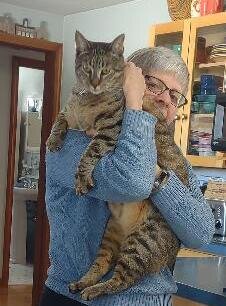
[95, 82]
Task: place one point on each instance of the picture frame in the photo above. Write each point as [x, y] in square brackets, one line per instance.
[25, 30]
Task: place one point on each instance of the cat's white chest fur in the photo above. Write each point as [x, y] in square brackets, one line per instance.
[129, 215]
[80, 116]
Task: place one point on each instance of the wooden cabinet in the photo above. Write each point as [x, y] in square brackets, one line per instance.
[193, 126]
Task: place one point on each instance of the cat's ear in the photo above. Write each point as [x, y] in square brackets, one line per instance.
[117, 44]
[82, 44]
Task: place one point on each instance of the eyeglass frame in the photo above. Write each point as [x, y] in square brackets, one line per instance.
[166, 88]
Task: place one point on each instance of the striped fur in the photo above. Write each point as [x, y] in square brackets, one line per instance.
[137, 240]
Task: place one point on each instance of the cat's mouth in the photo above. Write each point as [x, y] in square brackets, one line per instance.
[95, 90]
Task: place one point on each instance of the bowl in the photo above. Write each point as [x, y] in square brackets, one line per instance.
[206, 103]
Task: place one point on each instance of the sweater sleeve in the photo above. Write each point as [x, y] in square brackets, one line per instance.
[126, 174]
[186, 210]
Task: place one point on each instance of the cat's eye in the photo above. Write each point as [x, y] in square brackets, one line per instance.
[86, 68]
[106, 70]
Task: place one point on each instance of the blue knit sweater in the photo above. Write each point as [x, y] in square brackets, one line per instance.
[77, 223]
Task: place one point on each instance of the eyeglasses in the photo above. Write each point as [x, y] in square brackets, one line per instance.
[158, 87]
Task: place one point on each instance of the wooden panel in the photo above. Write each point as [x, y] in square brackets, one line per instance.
[168, 27]
[192, 253]
[210, 65]
[51, 105]
[164, 38]
[28, 43]
[184, 55]
[176, 32]
[151, 40]
[209, 20]
[10, 171]
[178, 301]
[18, 295]
[206, 161]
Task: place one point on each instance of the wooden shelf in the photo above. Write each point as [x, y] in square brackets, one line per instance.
[184, 252]
[168, 28]
[28, 43]
[211, 65]
[207, 161]
[221, 155]
[199, 115]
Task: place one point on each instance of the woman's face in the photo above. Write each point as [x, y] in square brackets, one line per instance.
[165, 101]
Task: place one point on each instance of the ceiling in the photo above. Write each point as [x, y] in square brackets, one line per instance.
[64, 7]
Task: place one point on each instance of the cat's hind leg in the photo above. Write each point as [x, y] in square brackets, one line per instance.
[146, 250]
[129, 267]
[106, 257]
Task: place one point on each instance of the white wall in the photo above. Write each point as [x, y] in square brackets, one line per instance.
[54, 22]
[132, 18]
[5, 88]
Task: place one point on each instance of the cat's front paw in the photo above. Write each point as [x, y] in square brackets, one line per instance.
[76, 286]
[84, 182]
[94, 291]
[89, 294]
[54, 143]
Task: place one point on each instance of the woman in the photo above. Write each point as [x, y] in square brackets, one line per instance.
[127, 174]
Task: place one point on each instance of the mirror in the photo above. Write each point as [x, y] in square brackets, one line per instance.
[26, 176]
[29, 126]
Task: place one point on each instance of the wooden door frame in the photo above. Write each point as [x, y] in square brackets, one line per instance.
[51, 105]
[17, 62]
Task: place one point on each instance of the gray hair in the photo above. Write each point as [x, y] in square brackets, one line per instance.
[164, 60]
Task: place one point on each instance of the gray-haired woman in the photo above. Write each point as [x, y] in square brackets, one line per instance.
[166, 77]
[77, 223]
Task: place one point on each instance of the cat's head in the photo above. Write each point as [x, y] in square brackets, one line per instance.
[99, 65]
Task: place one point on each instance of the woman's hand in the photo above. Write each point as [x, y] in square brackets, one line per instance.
[134, 86]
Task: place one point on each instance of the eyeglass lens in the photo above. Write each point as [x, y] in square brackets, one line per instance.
[158, 87]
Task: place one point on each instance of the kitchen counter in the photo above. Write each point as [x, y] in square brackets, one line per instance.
[202, 279]
[217, 246]
[219, 239]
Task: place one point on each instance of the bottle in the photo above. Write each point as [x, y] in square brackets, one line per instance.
[42, 31]
[9, 26]
[2, 24]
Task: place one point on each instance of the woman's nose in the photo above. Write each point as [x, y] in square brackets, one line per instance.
[164, 97]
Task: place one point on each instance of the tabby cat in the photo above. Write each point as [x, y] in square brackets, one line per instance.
[137, 240]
